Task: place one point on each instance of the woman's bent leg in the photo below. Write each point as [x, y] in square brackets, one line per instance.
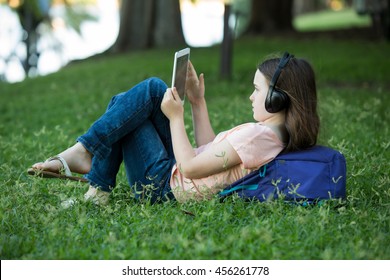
[148, 163]
[129, 110]
[134, 129]
[104, 171]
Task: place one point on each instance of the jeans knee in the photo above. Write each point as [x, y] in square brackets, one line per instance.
[157, 84]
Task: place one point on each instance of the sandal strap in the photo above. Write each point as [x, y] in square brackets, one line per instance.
[64, 164]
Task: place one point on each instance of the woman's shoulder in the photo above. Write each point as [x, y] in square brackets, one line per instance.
[254, 126]
[255, 143]
[261, 130]
[247, 131]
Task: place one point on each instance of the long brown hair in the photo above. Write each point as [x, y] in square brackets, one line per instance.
[297, 80]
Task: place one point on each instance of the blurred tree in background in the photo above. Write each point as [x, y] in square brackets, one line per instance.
[149, 23]
[33, 13]
[270, 16]
[379, 11]
[277, 16]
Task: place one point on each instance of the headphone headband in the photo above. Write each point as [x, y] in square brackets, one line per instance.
[283, 62]
[277, 99]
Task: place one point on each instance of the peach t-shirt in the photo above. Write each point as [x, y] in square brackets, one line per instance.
[255, 143]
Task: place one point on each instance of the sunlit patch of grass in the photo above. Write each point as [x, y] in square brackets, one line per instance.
[330, 20]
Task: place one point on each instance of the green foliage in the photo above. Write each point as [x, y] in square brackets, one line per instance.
[75, 13]
[41, 117]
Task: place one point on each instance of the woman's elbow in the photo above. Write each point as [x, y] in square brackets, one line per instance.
[191, 172]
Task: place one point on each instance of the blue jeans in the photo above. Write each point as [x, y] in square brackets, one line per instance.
[133, 130]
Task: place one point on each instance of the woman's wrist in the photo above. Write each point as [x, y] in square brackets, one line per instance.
[176, 120]
[199, 102]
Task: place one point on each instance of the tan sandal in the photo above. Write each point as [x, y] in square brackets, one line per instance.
[64, 173]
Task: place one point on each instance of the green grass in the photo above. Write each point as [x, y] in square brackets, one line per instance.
[40, 117]
[330, 20]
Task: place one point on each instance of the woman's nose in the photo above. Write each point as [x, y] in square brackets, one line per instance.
[251, 96]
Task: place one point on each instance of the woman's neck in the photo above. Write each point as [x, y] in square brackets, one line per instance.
[277, 123]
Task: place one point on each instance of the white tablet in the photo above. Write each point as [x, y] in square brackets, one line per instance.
[179, 75]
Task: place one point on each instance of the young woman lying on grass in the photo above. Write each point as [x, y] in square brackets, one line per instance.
[144, 127]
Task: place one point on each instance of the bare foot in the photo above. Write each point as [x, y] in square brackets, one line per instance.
[78, 158]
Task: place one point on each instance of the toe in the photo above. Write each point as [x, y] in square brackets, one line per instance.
[38, 165]
[53, 165]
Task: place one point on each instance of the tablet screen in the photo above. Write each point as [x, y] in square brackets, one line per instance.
[179, 75]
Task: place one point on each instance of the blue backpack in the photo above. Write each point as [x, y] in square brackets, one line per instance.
[307, 176]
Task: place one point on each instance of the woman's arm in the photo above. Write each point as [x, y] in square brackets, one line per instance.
[218, 158]
[195, 91]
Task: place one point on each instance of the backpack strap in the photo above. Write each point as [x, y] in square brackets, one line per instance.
[239, 188]
[261, 172]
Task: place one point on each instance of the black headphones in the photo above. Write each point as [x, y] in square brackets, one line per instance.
[277, 99]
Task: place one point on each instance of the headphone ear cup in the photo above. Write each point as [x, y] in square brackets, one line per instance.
[276, 101]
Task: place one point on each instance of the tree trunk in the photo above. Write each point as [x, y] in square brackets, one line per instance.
[307, 6]
[227, 46]
[271, 16]
[149, 23]
[168, 30]
[135, 24]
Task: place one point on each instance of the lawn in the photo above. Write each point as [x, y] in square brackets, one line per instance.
[42, 116]
[331, 20]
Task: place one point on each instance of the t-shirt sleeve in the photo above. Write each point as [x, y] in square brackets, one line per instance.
[255, 144]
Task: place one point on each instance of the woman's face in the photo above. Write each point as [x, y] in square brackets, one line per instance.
[258, 96]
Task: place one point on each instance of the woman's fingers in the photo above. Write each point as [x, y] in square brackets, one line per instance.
[175, 94]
